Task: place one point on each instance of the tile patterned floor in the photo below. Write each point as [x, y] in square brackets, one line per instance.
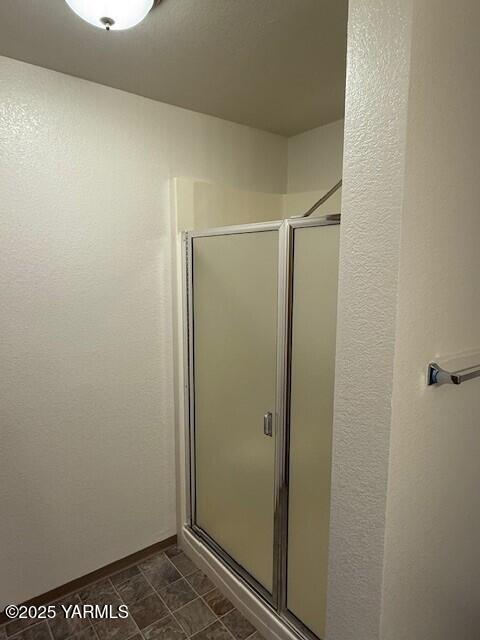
[168, 599]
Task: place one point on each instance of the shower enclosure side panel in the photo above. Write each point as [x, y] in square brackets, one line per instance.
[315, 276]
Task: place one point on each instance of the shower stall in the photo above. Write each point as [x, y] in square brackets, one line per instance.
[259, 328]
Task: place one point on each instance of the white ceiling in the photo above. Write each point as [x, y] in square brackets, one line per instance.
[277, 65]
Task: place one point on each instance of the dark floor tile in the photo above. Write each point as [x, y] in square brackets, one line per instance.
[3, 632]
[200, 582]
[123, 576]
[39, 631]
[219, 604]
[115, 628]
[18, 624]
[183, 564]
[238, 626]
[152, 560]
[215, 631]
[87, 634]
[164, 629]
[195, 616]
[134, 589]
[148, 610]
[159, 571]
[256, 636]
[173, 551]
[177, 594]
[63, 627]
[101, 592]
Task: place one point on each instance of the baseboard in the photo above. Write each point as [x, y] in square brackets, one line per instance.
[98, 574]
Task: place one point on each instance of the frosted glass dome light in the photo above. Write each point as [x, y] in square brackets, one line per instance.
[111, 14]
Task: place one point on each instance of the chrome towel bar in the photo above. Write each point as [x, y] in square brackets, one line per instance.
[438, 375]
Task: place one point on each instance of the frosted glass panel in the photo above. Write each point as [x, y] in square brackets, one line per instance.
[312, 385]
[235, 319]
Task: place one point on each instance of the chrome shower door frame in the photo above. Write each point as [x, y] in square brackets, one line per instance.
[290, 225]
[277, 600]
[189, 368]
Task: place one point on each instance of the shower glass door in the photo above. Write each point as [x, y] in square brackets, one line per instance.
[313, 332]
[233, 363]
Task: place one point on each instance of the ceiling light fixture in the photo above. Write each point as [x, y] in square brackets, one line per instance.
[111, 14]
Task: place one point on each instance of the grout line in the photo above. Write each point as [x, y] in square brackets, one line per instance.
[217, 618]
[255, 630]
[170, 612]
[95, 632]
[137, 564]
[202, 629]
[123, 581]
[129, 614]
[195, 590]
[91, 626]
[89, 584]
[33, 622]
[184, 575]
[206, 603]
[178, 570]
[30, 626]
[185, 605]
[222, 624]
[167, 615]
[38, 621]
[89, 620]
[156, 592]
[50, 632]
[17, 633]
[74, 592]
[199, 597]
[227, 629]
[202, 598]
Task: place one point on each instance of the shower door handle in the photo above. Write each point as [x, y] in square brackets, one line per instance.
[268, 424]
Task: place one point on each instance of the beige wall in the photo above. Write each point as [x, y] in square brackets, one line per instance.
[432, 553]
[404, 556]
[372, 199]
[86, 425]
[314, 165]
[315, 158]
[202, 205]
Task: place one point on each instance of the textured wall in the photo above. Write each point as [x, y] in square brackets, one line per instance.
[432, 555]
[377, 87]
[86, 425]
